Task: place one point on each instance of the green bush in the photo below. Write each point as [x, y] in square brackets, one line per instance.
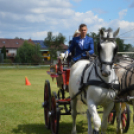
[3, 50]
[28, 53]
[8, 61]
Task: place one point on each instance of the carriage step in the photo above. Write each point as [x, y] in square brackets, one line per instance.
[61, 108]
[64, 101]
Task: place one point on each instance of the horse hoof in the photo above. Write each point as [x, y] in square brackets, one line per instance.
[119, 131]
[73, 132]
[95, 132]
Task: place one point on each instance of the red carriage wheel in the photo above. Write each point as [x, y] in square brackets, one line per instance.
[47, 103]
[111, 118]
[55, 116]
[125, 119]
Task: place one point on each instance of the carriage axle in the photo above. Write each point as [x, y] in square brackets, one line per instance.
[127, 99]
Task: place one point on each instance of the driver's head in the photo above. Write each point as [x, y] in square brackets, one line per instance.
[83, 29]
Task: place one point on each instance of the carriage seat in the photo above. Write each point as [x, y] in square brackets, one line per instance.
[65, 69]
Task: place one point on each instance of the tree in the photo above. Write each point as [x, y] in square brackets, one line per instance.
[96, 40]
[120, 44]
[54, 43]
[128, 47]
[3, 50]
[28, 53]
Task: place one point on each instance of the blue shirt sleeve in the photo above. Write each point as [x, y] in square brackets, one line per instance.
[91, 51]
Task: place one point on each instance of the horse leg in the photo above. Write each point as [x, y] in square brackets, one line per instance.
[96, 119]
[133, 110]
[74, 114]
[90, 131]
[106, 112]
[118, 118]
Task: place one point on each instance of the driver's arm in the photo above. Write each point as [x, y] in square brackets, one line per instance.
[71, 47]
[91, 51]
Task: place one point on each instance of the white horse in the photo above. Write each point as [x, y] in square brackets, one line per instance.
[101, 71]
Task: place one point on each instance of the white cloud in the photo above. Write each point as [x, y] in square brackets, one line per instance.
[125, 29]
[122, 13]
[41, 34]
[33, 19]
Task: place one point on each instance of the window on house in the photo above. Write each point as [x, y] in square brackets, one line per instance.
[17, 43]
[3, 42]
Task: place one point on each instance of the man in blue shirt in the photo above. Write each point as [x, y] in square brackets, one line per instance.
[81, 44]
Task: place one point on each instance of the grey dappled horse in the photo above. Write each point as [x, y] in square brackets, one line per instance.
[125, 72]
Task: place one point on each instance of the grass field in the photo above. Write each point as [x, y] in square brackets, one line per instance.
[20, 105]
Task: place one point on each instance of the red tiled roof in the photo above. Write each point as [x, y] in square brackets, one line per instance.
[12, 43]
[64, 46]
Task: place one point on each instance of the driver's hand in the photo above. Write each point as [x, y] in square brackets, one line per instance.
[66, 54]
[61, 56]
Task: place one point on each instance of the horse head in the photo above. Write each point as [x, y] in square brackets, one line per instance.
[107, 50]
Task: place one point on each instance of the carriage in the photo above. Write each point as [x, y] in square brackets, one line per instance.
[57, 104]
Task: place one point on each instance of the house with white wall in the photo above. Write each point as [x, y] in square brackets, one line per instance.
[11, 46]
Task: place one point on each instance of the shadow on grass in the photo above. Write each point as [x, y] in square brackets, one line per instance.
[111, 130]
[40, 128]
[31, 129]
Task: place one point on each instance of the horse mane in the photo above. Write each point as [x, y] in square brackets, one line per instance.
[106, 30]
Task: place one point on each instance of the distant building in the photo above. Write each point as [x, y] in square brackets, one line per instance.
[11, 46]
[44, 50]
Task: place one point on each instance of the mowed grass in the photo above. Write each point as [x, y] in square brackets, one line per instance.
[20, 105]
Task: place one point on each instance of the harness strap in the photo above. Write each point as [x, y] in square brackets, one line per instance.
[104, 85]
[96, 83]
[101, 83]
[82, 87]
[98, 74]
[124, 68]
[85, 68]
[130, 88]
[90, 73]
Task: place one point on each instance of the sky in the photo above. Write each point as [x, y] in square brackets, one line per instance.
[32, 19]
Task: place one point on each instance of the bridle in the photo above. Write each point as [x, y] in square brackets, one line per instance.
[114, 53]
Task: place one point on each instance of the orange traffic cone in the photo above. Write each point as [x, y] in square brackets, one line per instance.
[27, 82]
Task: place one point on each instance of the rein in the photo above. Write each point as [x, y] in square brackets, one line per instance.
[100, 83]
[130, 88]
[107, 85]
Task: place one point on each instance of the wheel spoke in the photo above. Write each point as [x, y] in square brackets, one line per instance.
[123, 122]
[47, 102]
[54, 117]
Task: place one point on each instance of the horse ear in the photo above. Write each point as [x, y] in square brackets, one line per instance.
[101, 32]
[116, 32]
